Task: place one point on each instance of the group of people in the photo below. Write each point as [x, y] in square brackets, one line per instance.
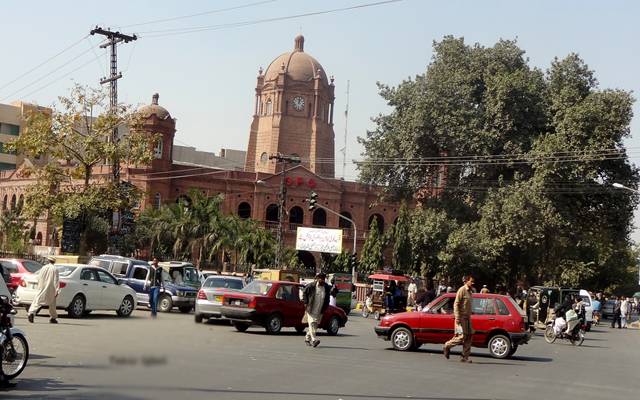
[622, 310]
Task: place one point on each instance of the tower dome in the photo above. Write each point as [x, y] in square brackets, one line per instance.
[154, 109]
[296, 64]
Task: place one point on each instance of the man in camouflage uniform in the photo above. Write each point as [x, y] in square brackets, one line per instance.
[462, 314]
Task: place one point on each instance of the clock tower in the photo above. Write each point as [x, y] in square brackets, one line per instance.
[293, 114]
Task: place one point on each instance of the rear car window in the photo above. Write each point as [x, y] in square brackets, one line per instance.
[223, 283]
[32, 266]
[502, 308]
[9, 266]
[520, 310]
[258, 287]
[482, 306]
[65, 270]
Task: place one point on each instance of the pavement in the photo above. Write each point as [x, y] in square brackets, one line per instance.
[172, 357]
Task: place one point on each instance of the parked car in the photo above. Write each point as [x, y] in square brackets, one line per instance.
[136, 274]
[499, 323]
[206, 273]
[17, 269]
[83, 288]
[588, 308]
[275, 305]
[607, 308]
[209, 298]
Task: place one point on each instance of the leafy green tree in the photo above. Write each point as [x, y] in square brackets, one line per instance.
[371, 256]
[429, 232]
[403, 259]
[68, 146]
[14, 231]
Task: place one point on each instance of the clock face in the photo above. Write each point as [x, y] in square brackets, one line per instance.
[298, 103]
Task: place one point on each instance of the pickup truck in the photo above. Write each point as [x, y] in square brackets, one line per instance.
[136, 274]
[274, 305]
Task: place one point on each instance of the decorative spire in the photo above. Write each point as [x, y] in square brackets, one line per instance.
[299, 43]
[260, 71]
[154, 99]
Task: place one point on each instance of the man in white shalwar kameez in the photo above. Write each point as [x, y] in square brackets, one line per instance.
[316, 300]
[48, 288]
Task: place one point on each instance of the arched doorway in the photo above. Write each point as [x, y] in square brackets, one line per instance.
[380, 221]
[13, 202]
[244, 210]
[343, 223]
[39, 239]
[272, 213]
[296, 215]
[308, 261]
[320, 217]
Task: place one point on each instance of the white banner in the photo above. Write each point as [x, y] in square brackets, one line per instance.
[320, 240]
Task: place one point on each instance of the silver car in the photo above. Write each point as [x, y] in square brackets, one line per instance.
[210, 295]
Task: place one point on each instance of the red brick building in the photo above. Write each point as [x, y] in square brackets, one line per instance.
[293, 116]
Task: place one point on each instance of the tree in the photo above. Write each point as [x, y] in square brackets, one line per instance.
[68, 146]
[14, 231]
[428, 233]
[403, 259]
[371, 257]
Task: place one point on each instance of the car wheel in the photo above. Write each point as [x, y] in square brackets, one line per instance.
[499, 346]
[198, 318]
[185, 309]
[241, 326]
[126, 308]
[76, 308]
[165, 304]
[333, 326]
[376, 315]
[402, 339]
[549, 334]
[274, 324]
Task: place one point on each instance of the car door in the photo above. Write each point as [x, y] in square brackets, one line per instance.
[111, 292]
[436, 324]
[483, 318]
[138, 281]
[91, 287]
[286, 303]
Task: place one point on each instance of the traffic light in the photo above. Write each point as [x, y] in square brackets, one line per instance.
[313, 200]
[353, 260]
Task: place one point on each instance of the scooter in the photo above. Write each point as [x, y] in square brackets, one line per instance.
[14, 349]
[576, 336]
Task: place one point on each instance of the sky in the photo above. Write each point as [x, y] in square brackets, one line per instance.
[206, 79]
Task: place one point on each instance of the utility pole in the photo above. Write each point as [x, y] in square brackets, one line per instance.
[283, 159]
[113, 38]
[346, 131]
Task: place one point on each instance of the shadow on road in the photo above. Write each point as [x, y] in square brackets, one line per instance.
[46, 388]
[487, 356]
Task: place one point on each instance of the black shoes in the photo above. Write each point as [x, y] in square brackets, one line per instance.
[445, 350]
[53, 321]
[30, 318]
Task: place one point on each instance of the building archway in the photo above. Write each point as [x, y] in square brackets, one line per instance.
[20, 202]
[272, 214]
[308, 261]
[39, 239]
[380, 221]
[13, 202]
[320, 217]
[296, 215]
[343, 223]
[244, 210]
[4, 202]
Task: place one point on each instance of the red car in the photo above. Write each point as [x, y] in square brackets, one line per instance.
[499, 324]
[18, 268]
[275, 305]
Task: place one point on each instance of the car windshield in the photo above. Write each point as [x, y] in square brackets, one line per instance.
[258, 287]
[191, 275]
[65, 270]
[223, 283]
[520, 310]
[32, 266]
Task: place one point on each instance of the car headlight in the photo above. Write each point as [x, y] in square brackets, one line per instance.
[180, 293]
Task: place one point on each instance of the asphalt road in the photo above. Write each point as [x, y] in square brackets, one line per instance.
[103, 356]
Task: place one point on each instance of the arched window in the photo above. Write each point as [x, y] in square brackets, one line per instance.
[4, 202]
[320, 217]
[380, 221]
[157, 201]
[269, 107]
[39, 239]
[20, 201]
[184, 200]
[272, 213]
[343, 223]
[13, 202]
[296, 215]
[244, 210]
[157, 149]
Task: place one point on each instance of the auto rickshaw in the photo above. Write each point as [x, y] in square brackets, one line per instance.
[383, 300]
[541, 302]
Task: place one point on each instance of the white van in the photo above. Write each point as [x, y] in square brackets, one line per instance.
[588, 307]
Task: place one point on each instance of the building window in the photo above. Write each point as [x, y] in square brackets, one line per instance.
[9, 129]
[269, 107]
[296, 215]
[272, 213]
[6, 166]
[244, 210]
[343, 223]
[320, 217]
[264, 157]
[157, 150]
[157, 201]
[13, 202]
[379, 220]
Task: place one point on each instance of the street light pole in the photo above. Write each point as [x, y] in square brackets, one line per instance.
[283, 159]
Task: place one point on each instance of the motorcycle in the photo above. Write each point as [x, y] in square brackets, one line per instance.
[576, 336]
[14, 349]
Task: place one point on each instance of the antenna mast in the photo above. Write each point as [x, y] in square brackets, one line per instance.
[346, 131]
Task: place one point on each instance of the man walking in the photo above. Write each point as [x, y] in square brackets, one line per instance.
[616, 313]
[624, 312]
[316, 299]
[155, 284]
[462, 315]
[48, 289]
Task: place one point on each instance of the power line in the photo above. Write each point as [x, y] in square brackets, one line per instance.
[44, 62]
[220, 10]
[179, 31]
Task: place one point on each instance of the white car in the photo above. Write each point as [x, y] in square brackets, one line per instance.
[588, 308]
[83, 288]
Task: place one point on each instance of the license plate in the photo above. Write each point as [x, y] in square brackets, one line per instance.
[218, 299]
[237, 302]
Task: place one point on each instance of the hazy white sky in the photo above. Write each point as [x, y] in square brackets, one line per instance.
[206, 79]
